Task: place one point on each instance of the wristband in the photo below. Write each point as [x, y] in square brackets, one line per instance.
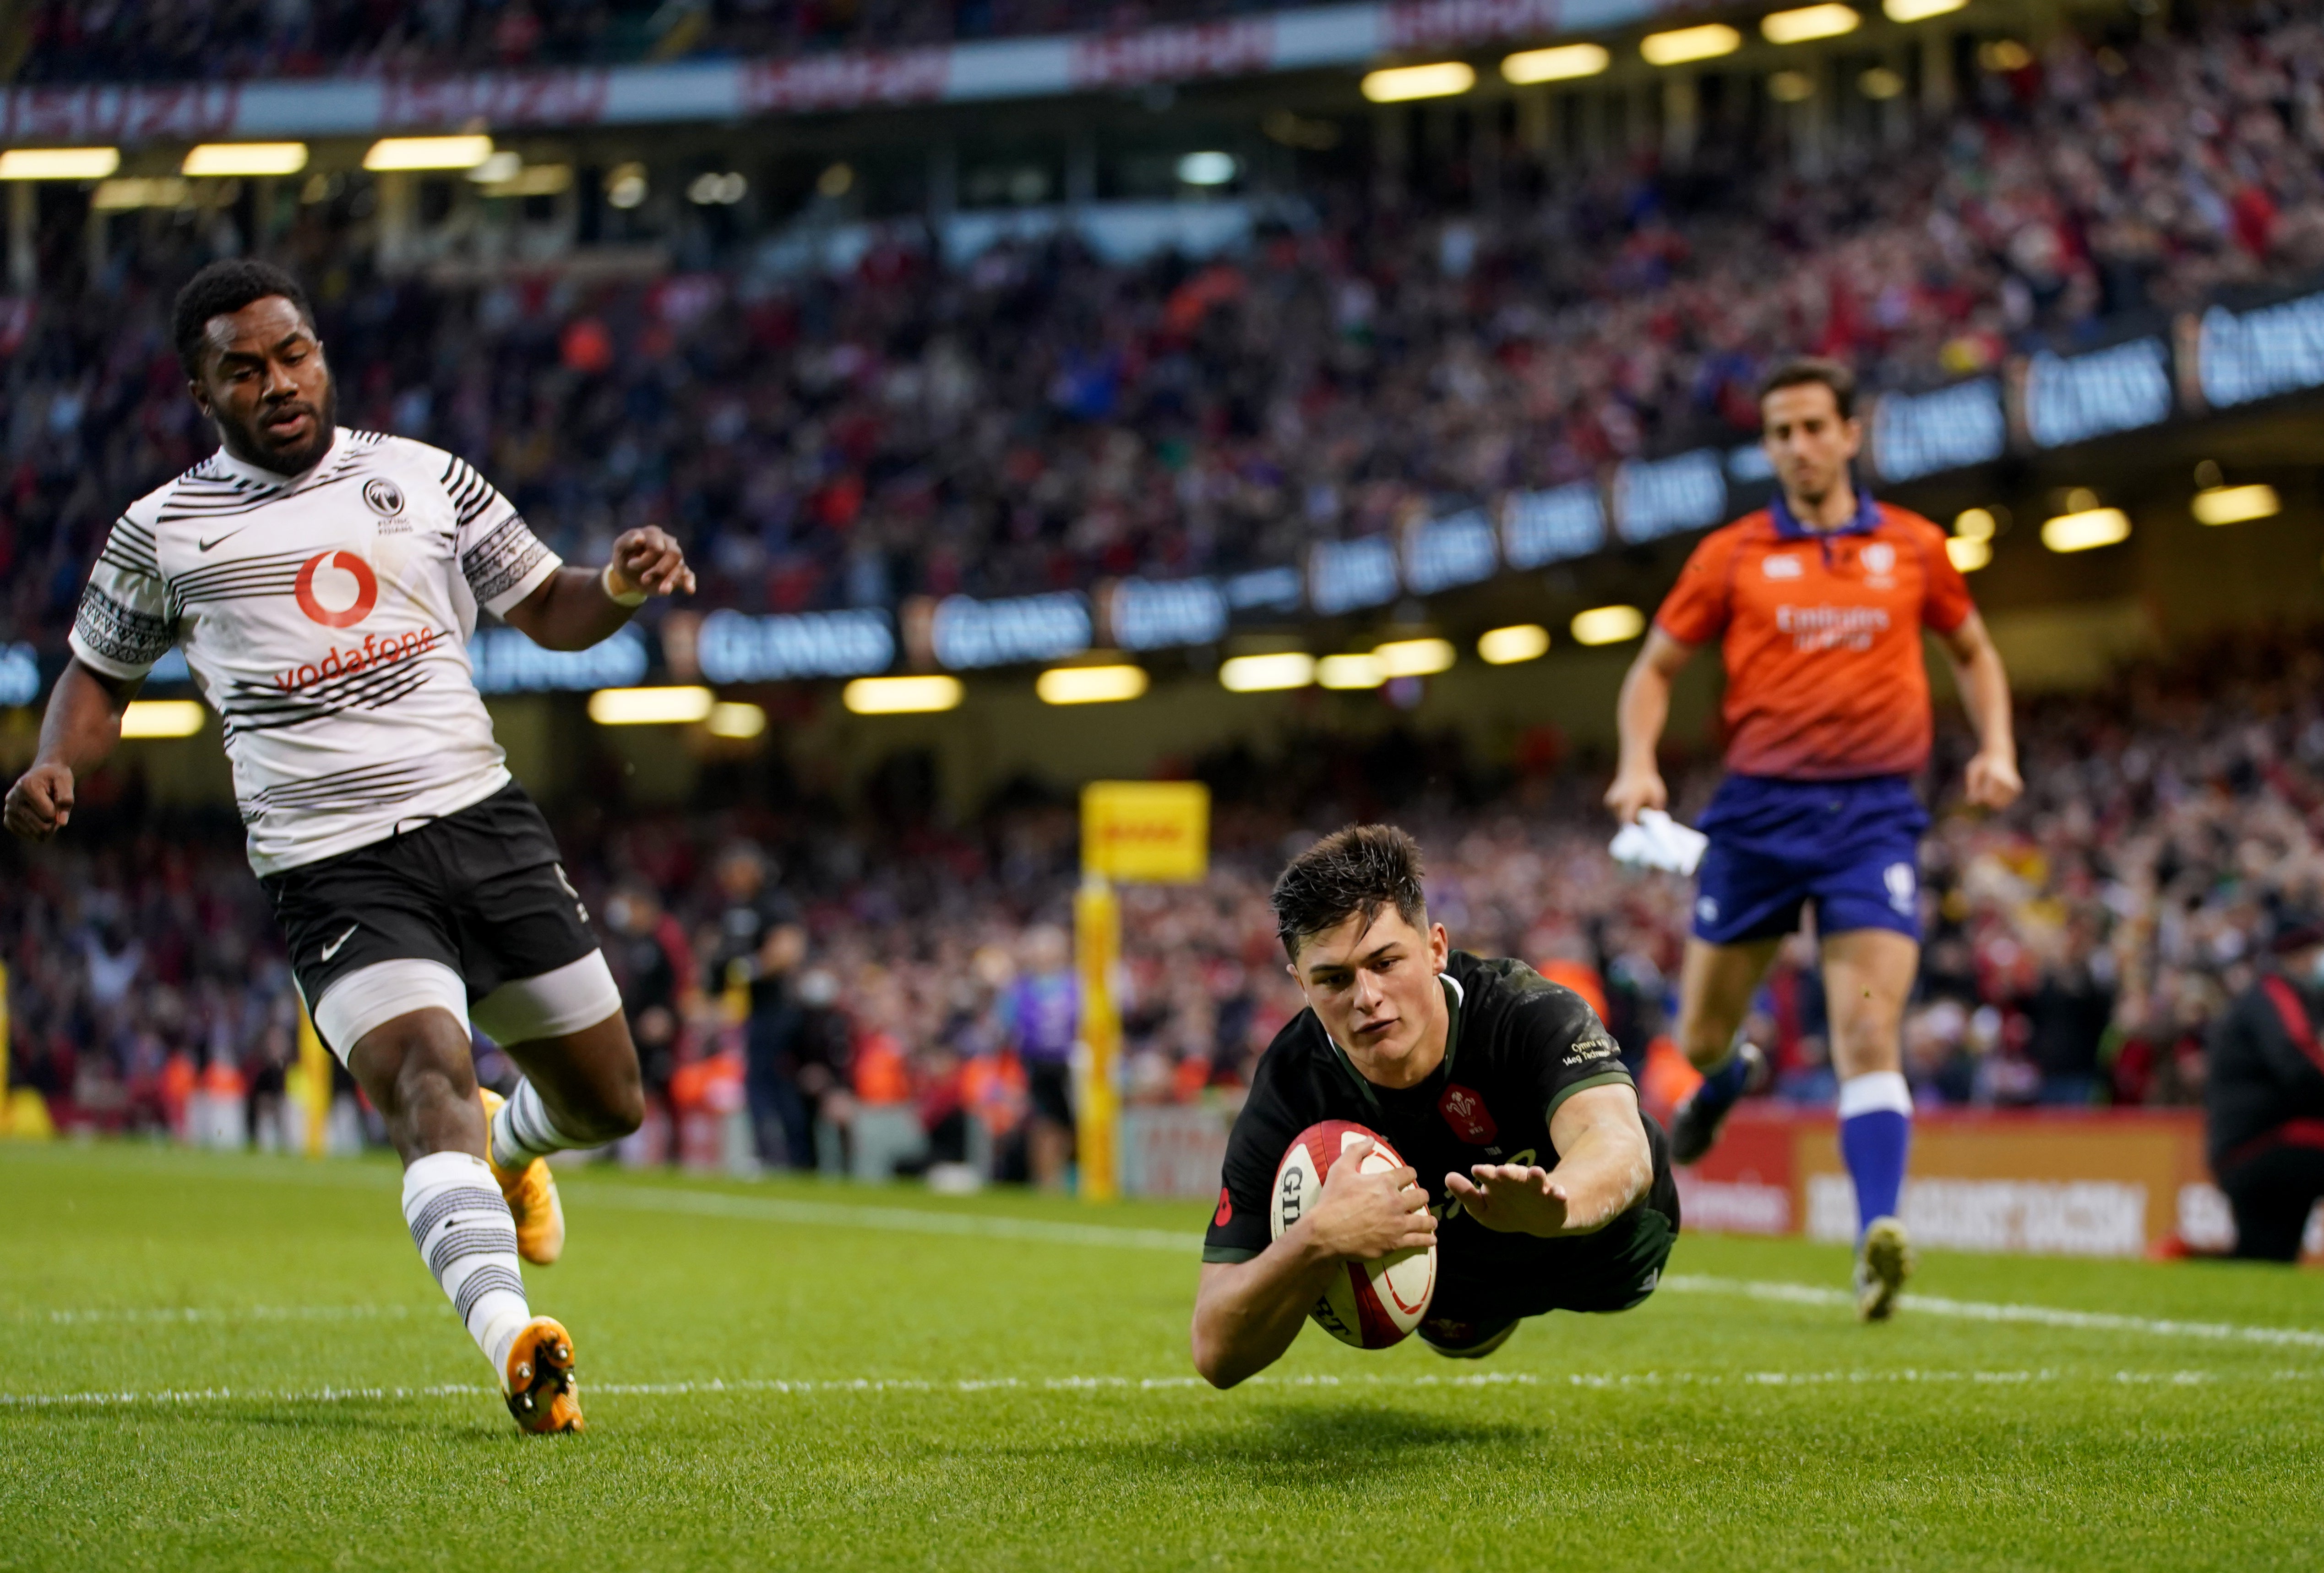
[633, 599]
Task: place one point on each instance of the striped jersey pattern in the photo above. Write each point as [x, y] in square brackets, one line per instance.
[326, 617]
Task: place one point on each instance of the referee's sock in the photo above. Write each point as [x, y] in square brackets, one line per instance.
[468, 1240]
[522, 1130]
[1875, 1134]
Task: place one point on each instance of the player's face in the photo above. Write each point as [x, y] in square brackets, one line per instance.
[1807, 441]
[1372, 983]
[265, 383]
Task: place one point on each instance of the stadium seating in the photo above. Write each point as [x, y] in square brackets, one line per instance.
[75, 42]
[1033, 418]
[2082, 943]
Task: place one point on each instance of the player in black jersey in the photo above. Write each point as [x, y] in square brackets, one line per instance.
[1543, 1185]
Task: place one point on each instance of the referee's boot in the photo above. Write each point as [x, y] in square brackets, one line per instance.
[1883, 1262]
[1465, 1340]
[531, 1196]
[1695, 1126]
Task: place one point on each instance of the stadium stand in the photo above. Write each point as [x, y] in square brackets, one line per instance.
[2080, 943]
[1033, 418]
[76, 41]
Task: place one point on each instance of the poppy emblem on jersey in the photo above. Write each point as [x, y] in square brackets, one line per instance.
[1466, 1113]
[384, 497]
[345, 562]
[1226, 1208]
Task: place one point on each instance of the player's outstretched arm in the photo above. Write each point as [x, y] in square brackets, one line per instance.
[1247, 1313]
[575, 608]
[1641, 715]
[1991, 779]
[1604, 1166]
[82, 726]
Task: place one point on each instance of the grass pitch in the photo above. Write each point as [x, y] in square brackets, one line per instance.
[212, 1362]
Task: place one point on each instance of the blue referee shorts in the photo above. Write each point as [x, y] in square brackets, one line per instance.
[1851, 848]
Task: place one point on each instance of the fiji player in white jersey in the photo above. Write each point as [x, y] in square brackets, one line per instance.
[324, 584]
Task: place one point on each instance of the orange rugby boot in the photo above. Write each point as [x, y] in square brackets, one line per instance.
[531, 1194]
[538, 1381]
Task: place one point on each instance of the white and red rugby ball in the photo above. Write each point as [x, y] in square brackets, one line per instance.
[1370, 1304]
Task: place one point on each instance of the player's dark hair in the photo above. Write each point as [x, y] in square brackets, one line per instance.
[220, 290]
[1809, 370]
[1356, 870]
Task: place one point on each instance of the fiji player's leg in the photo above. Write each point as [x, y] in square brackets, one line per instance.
[1868, 977]
[582, 1085]
[546, 997]
[1715, 986]
[415, 1067]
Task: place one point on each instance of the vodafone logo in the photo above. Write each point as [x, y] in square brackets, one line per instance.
[349, 582]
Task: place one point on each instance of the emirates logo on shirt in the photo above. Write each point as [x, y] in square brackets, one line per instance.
[1466, 1113]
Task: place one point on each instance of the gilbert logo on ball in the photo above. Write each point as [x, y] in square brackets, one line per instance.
[1370, 1304]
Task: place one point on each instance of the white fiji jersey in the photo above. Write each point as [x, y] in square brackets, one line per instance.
[327, 619]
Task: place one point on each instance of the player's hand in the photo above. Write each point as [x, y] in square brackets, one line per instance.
[41, 803]
[1515, 1199]
[1633, 790]
[1365, 1217]
[1992, 780]
[652, 560]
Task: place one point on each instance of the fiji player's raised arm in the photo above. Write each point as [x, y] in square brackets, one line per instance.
[576, 607]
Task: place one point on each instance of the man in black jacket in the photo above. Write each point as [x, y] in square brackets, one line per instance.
[2263, 1099]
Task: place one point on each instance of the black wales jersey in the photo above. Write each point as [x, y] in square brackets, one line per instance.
[1518, 1047]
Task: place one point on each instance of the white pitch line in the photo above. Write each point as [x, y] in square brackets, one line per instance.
[1989, 1311]
[1047, 1231]
[195, 1314]
[978, 1386]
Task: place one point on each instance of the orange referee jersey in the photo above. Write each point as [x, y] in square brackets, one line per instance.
[1821, 632]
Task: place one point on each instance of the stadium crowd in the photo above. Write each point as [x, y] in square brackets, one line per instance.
[106, 41]
[2081, 944]
[1033, 418]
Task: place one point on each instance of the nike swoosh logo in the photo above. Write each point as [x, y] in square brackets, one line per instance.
[213, 541]
[333, 947]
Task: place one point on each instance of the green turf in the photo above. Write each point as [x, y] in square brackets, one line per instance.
[1025, 1401]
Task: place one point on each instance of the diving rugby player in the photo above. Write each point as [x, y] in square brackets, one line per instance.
[324, 584]
[1818, 601]
[1542, 1185]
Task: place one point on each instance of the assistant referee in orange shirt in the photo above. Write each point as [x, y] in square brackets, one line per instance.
[1819, 601]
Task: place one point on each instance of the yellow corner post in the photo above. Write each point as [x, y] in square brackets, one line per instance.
[314, 1083]
[1152, 832]
[23, 1113]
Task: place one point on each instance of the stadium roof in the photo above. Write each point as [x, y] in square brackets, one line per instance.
[1298, 39]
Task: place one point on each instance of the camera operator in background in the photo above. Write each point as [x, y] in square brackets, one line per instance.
[2264, 1098]
[654, 966]
[762, 942]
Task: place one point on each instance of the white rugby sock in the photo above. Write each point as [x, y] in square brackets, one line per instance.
[468, 1240]
[522, 1130]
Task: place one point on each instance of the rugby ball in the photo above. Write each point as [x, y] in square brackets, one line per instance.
[1369, 1304]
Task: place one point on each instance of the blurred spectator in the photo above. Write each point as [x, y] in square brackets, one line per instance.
[1043, 1020]
[654, 966]
[2265, 1095]
[761, 942]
